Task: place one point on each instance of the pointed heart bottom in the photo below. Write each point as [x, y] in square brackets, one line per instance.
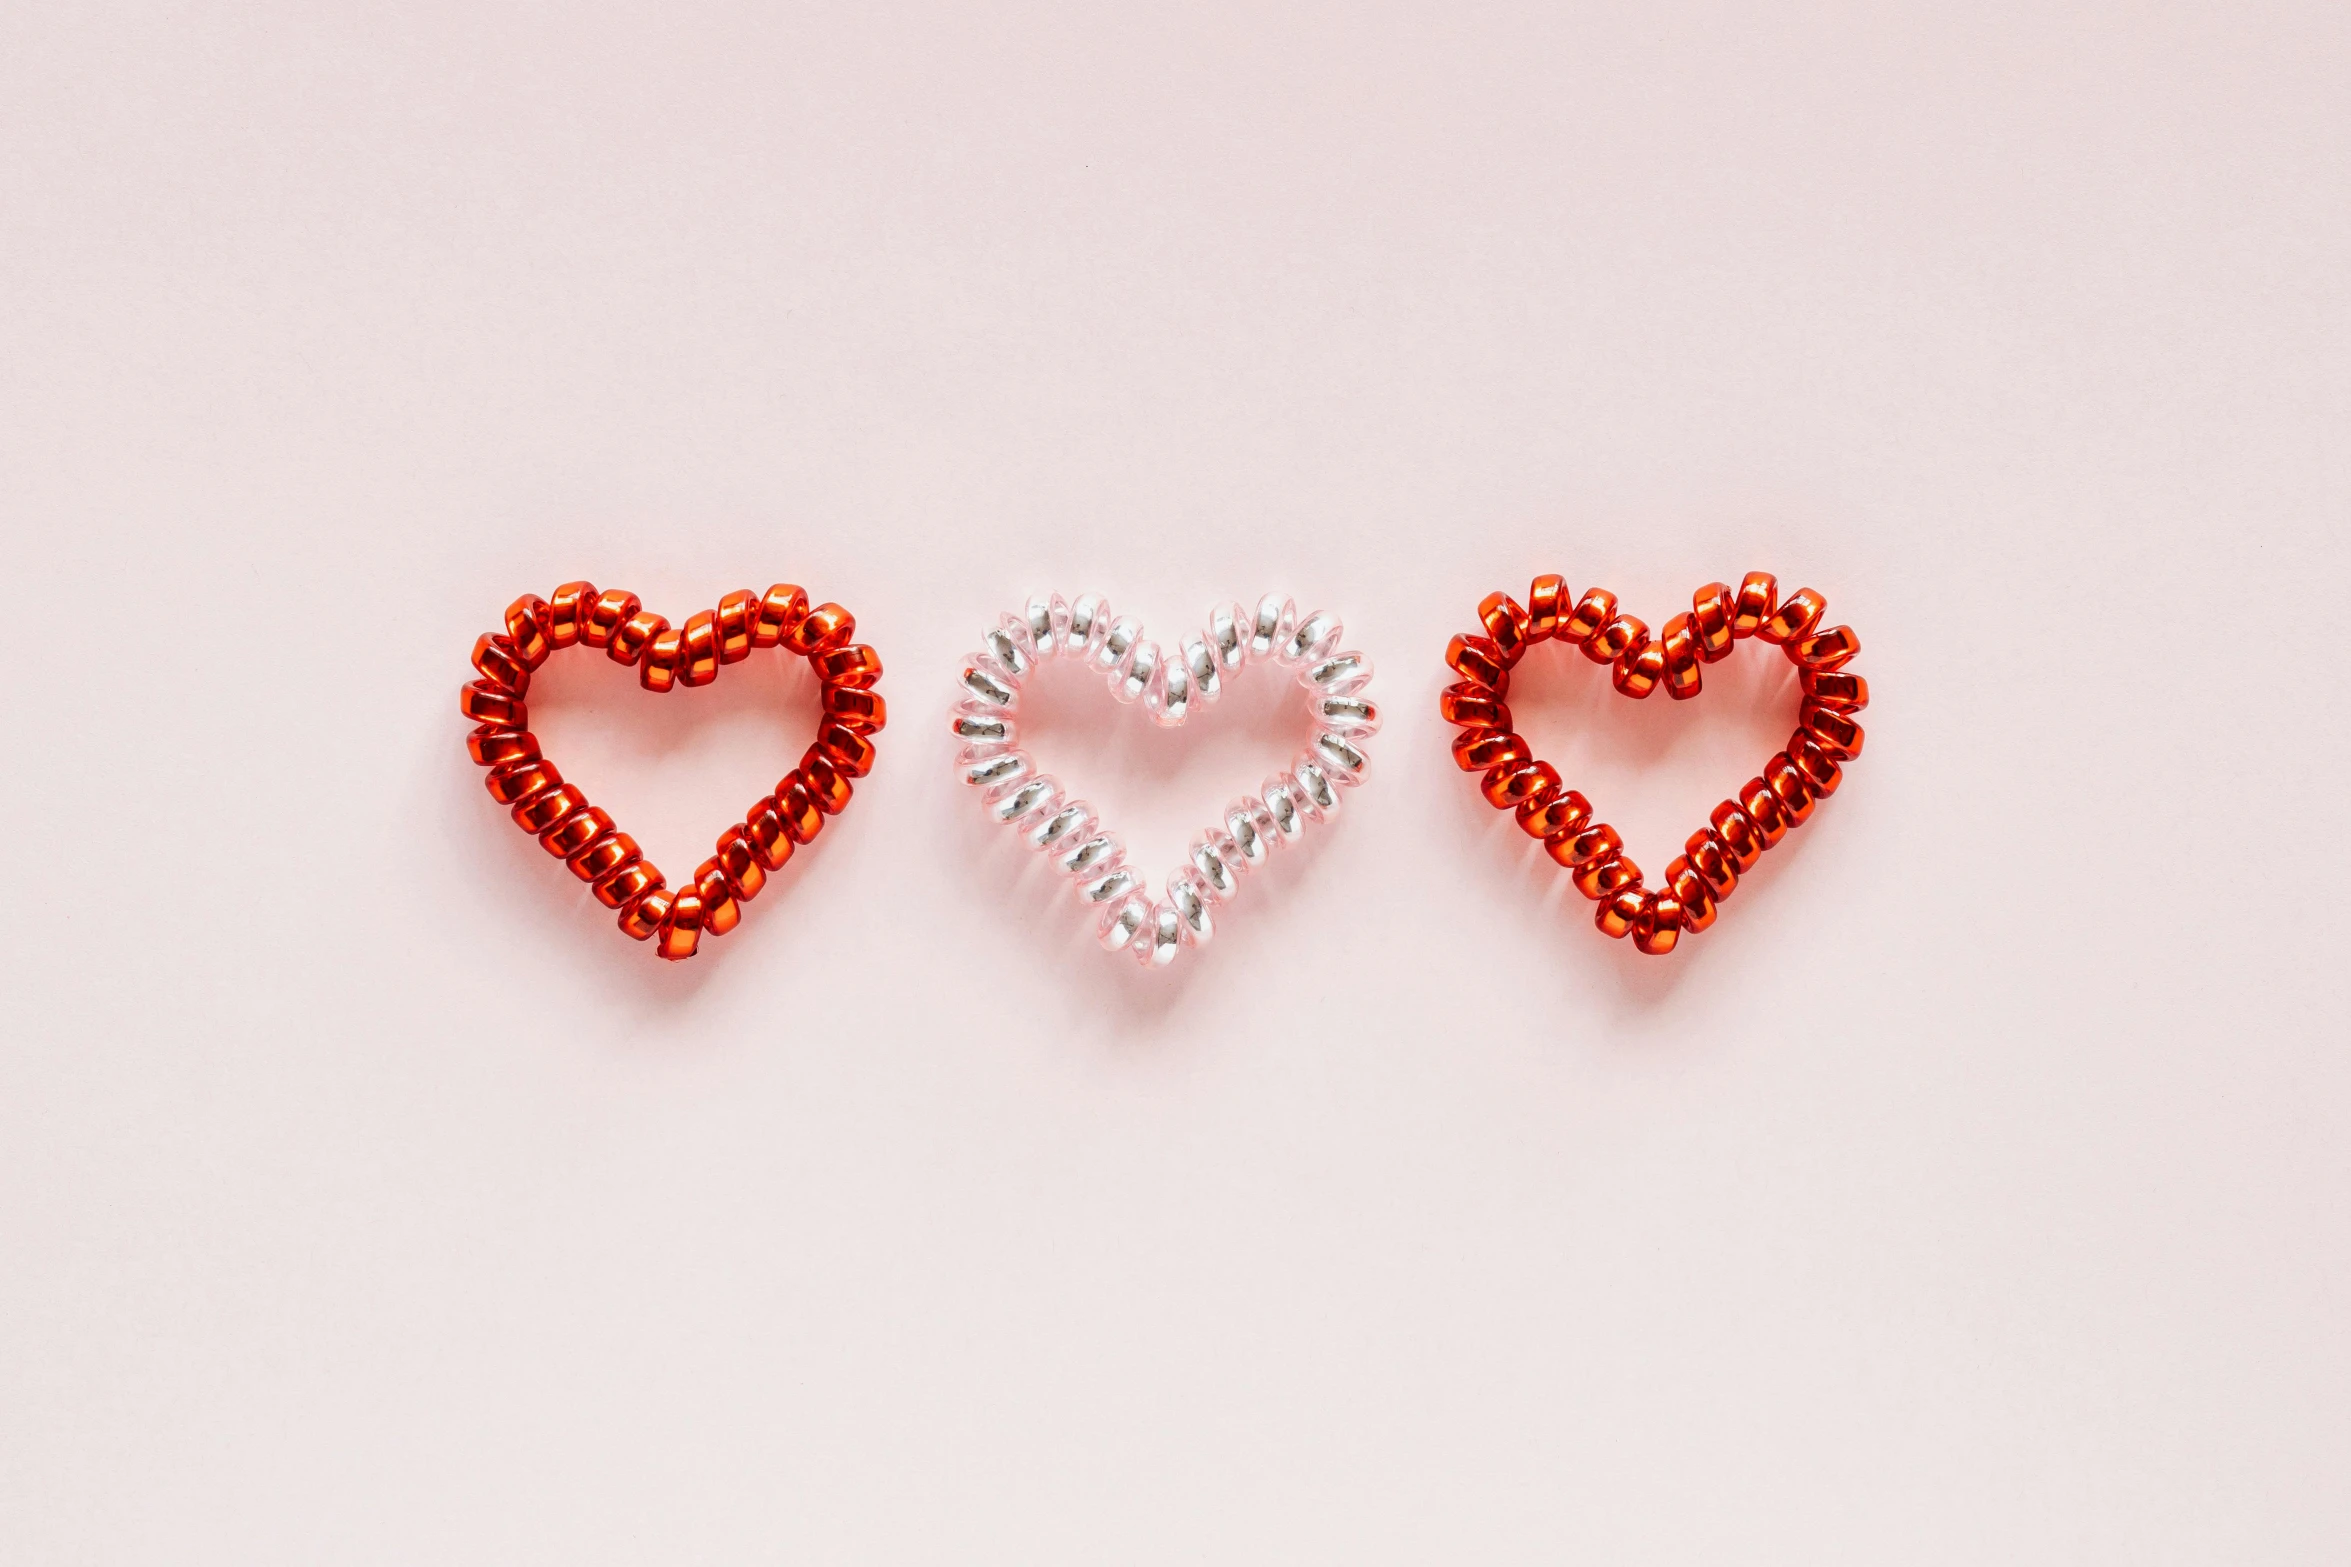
[583, 837]
[1793, 781]
[1169, 683]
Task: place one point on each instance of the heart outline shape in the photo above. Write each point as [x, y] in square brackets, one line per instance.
[1170, 686]
[583, 836]
[1800, 775]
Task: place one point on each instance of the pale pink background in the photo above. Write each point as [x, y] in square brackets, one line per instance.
[1975, 1192]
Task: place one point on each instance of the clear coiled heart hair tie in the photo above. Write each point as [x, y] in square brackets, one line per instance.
[1171, 683]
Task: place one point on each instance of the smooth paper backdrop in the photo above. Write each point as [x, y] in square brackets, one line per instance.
[1974, 1192]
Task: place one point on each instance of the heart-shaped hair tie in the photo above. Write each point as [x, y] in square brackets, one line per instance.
[1793, 781]
[665, 657]
[1170, 683]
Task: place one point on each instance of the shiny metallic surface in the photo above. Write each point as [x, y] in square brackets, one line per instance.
[1712, 859]
[1251, 829]
[634, 635]
[1483, 750]
[990, 728]
[574, 833]
[849, 750]
[745, 875]
[1763, 808]
[1108, 886]
[1289, 822]
[796, 804]
[1110, 654]
[1692, 892]
[987, 681]
[1739, 835]
[1554, 815]
[1798, 613]
[511, 783]
[1228, 636]
[1833, 729]
[1619, 910]
[1008, 645]
[1067, 823]
[720, 912]
[698, 649]
[1758, 598]
[642, 918]
[548, 809]
[1026, 798]
[1199, 661]
[736, 613]
[1340, 758]
[500, 665]
[853, 665]
[824, 627]
[1168, 680]
[1044, 630]
[1508, 626]
[1598, 841]
[1595, 609]
[606, 855]
[1835, 688]
[1122, 922]
[681, 927]
[658, 669]
[1312, 640]
[1641, 671]
[763, 829]
[781, 609]
[1190, 901]
[1166, 935]
[1711, 608]
[526, 628]
[1089, 622]
[1170, 696]
[1349, 715]
[1217, 861]
[1657, 929]
[1821, 772]
[1477, 659]
[612, 610]
[1000, 767]
[1139, 670]
[1316, 793]
[1547, 602]
[1788, 784]
[1092, 855]
[1472, 706]
[1521, 783]
[856, 708]
[1605, 877]
[1275, 619]
[1623, 634]
[1679, 642]
[1339, 674]
[1830, 649]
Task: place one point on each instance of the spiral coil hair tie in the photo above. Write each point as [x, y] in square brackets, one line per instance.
[665, 657]
[1792, 783]
[1171, 683]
